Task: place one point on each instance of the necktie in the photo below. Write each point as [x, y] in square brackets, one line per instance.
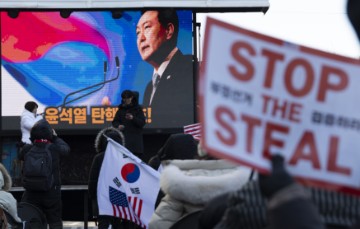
[157, 80]
[155, 84]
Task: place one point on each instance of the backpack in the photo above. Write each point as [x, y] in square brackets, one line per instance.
[37, 169]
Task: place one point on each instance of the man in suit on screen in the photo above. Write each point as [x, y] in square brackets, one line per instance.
[170, 92]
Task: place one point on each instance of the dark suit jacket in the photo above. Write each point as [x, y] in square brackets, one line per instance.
[173, 101]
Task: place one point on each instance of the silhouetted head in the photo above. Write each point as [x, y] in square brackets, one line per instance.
[129, 97]
[111, 132]
[41, 130]
[179, 146]
[126, 94]
[30, 106]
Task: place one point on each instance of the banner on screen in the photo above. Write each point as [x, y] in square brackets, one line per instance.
[76, 68]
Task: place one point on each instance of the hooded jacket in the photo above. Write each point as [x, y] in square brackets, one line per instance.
[100, 147]
[7, 201]
[42, 134]
[189, 184]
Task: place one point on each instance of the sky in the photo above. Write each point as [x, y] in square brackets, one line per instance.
[319, 24]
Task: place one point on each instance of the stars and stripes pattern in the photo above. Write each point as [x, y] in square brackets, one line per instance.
[194, 130]
[126, 207]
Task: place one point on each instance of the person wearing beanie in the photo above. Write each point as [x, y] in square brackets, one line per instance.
[101, 142]
[178, 146]
[42, 135]
[189, 185]
[130, 119]
[28, 118]
[7, 201]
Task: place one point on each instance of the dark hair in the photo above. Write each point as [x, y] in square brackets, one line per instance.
[30, 106]
[166, 16]
[127, 94]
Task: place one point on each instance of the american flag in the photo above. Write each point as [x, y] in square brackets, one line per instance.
[194, 130]
[122, 206]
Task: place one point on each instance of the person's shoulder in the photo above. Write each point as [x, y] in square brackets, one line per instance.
[26, 148]
[183, 57]
[26, 114]
[99, 157]
[59, 145]
[181, 64]
[188, 59]
[138, 107]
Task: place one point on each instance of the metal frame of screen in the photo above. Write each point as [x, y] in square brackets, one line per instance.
[75, 68]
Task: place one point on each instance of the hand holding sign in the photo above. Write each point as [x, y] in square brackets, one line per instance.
[277, 180]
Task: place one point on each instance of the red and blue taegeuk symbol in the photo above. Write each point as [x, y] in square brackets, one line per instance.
[130, 172]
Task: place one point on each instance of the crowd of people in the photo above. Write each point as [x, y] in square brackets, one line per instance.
[196, 190]
[206, 191]
[211, 192]
[199, 191]
[217, 193]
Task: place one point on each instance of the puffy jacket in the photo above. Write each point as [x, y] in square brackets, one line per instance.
[28, 120]
[7, 201]
[189, 184]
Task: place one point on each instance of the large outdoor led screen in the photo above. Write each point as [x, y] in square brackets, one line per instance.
[76, 68]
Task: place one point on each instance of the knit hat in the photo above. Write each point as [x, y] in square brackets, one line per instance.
[41, 130]
[178, 146]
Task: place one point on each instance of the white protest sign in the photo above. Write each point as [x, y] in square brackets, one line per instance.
[260, 95]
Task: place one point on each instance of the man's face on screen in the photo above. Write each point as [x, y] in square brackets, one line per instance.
[150, 35]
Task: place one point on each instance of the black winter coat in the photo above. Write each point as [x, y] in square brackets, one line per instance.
[57, 148]
[94, 175]
[133, 128]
